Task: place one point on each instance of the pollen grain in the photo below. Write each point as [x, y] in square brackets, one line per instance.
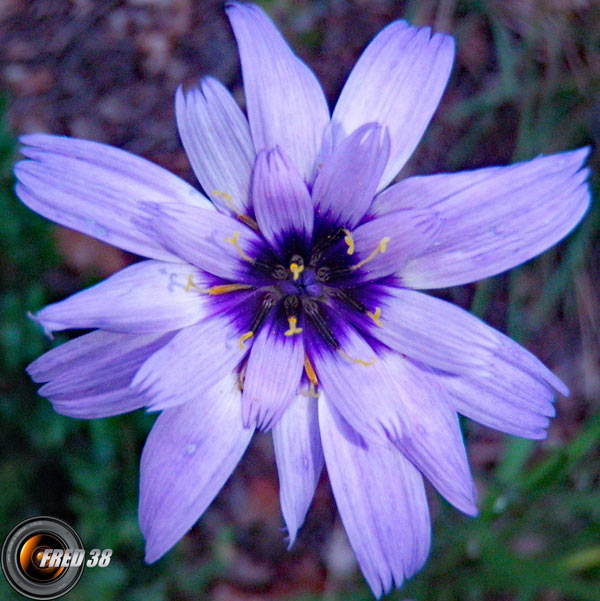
[236, 244]
[312, 378]
[359, 361]
[225, 288]
[381, 248]
[376, 317]
[229, 200]
[349, 240]
[296, 269]
[191, 286]
[293, 329]
[245, 337]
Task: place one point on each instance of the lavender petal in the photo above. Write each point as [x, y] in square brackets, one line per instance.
[272, 375]
[397, 82]
[212, 241]
[449, 338]
[282, 204]
[98, 190]
[346, 183]
[285, 103]
[493, 219]
[381, 499]
[216, 137]
[188, 457]
[403, 235]
[433, 441]
[193, 362]
[299, 459]
[151, 296]
[511, 402]
[89, 377]
[357, 383]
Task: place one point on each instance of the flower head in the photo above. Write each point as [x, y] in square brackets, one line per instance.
[286, 298]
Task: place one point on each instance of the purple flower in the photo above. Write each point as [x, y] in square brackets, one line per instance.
[286, 299]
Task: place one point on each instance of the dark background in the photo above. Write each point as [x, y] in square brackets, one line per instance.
[526, 81]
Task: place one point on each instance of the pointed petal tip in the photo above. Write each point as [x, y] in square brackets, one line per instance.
[376, 132]
[180, 97]
[231, 5]
[447, 41]
[579, 154]
[47, 326]
[556, 383]
[402, 67]
[32, 371]
[161, 405]
[376, 588]
[138, 382]
[209, 81]
[469, 508]
[62, 410]
[36, 368]
[153, 553]
[36, 139]
[20, 167]
[196, 90]
[243, 8]
[291, 537]
[248, 7]
[35, 371]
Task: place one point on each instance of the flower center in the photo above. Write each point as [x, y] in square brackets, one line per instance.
[304, 292]
[304, 283]
[307, 290]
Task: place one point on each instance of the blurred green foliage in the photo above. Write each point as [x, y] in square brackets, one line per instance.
[538, 535]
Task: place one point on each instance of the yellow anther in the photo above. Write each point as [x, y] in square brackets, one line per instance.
[235, 243]
[312, 378]
[349, 240]
[248, 221]
[359, 361]
[190, 285]
[381, 248]
[229, 200]
[214, 290]
[226, 197]
[245, 337]
[376, 317]
[293, 329]
[296, 270]
[225, 288]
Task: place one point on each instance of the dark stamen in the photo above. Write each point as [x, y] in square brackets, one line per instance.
[312, 312]
[267, 304]
[291, 304]
[279, 272]
[298, 260]
[324, 244]
[347, 299]
[325, 274]
[264, 267]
